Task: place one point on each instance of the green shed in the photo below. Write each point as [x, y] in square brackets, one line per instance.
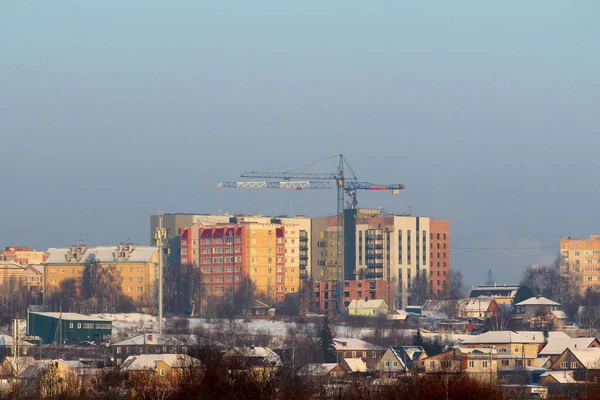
[68, 328]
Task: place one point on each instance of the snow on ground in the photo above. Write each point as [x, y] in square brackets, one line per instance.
[132, 324]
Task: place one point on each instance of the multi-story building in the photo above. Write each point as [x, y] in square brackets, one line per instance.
[270, 253]
[439, 256]
[396, 248]
[137, 266]
[580, 263]
[23, 255]
[324, 292]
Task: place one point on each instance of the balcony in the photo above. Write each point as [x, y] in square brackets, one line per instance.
[374, 275]
[303, 247]
[304, 239]
[374, 246]
[304, 258]
[303, 275]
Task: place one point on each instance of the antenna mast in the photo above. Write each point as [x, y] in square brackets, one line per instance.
[160, 238]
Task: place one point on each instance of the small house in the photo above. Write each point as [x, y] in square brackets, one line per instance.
[367, 308]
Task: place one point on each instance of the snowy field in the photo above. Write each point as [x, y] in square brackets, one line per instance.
[132, 324]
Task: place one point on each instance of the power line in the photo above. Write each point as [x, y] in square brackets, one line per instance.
[505, 248]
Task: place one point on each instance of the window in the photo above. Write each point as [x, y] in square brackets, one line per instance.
[71, 325]
[387, 363]
[88, 326]
[484, 364]
[471, 364]
[395, 363]
[574, 365]
[79, 325]
[564, 365]
[162, 372]
[118, 350]
[432, 364]
[505, 363]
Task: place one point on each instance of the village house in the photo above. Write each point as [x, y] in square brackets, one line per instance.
[398, 360]
[353, 348]
[479, 307]
[322, 372]
[585, 363]
[154, 343]
[165, 366]
[556, 346]
[540, 313]
[260, 362]
[515, 351]
[479, 363]
[367, 308]
[503, 294]
[354, 365]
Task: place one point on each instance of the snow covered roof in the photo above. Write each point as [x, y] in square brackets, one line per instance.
[495, 290]
[538, 301]
[101, 254]
[354, 344]
[362, 304]
[538, 336]
[556, 346]
[558, 314]
[486, 350]
[355, 364]
[499, 337]
[317, 369]
[560, 376]
[156, 339]
[442, 305]
[144, 362]
[590, 358]
[6, 341]
[264, 353]
[477, 304]
[400, 315]
[72, 317]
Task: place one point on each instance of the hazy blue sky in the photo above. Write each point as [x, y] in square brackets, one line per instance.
[487, 111]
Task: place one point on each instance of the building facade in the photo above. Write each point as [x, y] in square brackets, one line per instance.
[23, 255]
[580, 263]
[136, 265]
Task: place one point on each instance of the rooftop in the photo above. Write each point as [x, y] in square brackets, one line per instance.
[144, 362]
[354, 344]
[71, 316]
[84, 254]
[590, 358]
[499, 337]
[557, 346]
[538, 301]
[362, 304]
[355, 364]
[317, 369]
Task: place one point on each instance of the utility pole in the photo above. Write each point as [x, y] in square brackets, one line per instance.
[160, 238]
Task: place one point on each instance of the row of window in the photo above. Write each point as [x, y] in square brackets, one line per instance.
[220, 260]
[238, 239]
[89, 325]
[220, 270]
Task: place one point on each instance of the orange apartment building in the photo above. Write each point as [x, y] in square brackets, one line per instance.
[268, 253]
[439, 256]
[580, 262]
[23, 255]
[324, 293]
[137, 265]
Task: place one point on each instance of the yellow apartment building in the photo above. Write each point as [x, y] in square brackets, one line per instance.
[580, 262]
[264, 257]
[137, 265]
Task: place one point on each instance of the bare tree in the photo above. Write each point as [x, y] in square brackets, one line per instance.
[103, 284]
[420, 290]
[544, 280]
[457, 288]
[500, 320]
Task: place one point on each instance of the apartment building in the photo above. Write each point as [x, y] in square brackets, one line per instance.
[324, 293]
[580, 263]
[269, 253]
[394, 248]
[137, 265]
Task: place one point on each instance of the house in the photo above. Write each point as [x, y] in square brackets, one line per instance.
[353, 348]
[260, 362]
[354, 365]
[515, 351]
[367, 308]
[535, 307]
[67, 328]
[557, 319]
[556, 346]
[585, 363]
[259, 309]
[503, 294]
[551, 378]
[479, 363]
[322, 370]
[479, 307]
[398, 360]
[442, 309]
[7, 347]
[162, 365]
[153, 343]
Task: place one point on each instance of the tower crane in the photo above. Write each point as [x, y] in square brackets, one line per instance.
[346, 187]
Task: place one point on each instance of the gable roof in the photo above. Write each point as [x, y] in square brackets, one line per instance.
[156, 339]
[538, 336]
[354, 365]
[558, 314]
[318, 369]
[590, 358]
[265, 354]
[362, 304]
[495, 291]
[538, 301]
[145, 362]
[557, 346]
[72, 317]
[564, 377]
[498, 337]
[354, 344]
[478, 304]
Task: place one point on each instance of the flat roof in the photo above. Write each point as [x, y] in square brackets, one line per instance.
[71, 316]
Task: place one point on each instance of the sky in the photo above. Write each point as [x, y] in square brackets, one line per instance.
[486, 111]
